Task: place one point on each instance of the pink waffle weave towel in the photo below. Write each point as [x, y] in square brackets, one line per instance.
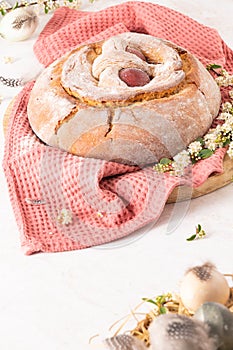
[64, 202]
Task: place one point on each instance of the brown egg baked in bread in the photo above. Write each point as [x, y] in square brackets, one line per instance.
[132, 98]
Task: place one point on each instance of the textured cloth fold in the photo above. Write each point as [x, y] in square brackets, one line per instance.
[64, 202]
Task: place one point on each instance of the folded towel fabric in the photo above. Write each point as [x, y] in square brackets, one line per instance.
[64, 202]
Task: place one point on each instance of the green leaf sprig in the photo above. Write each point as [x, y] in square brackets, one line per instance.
[164, 165]
[160, 301]
[200, 233]
[213, 66]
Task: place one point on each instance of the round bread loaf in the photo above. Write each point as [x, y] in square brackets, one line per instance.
[132, 98]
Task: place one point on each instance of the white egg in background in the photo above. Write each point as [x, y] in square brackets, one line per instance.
[19, 24]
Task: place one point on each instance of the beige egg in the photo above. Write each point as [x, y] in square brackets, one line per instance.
[201, 284]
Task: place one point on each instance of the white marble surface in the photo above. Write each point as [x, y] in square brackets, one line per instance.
[58, 301]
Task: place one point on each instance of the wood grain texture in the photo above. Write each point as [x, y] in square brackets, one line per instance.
[213, 183]
[180, 193]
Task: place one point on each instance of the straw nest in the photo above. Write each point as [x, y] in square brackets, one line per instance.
[173, 305]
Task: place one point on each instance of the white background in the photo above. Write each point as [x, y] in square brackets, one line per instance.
[58, 301]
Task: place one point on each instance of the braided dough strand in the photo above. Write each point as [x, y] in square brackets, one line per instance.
[101, 81]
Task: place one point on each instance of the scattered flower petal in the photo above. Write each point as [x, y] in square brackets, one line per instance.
[65, 217]
[8, 59]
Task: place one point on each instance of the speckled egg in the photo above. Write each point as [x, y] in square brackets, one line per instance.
[178, 332]
[220, 321]
[201, 284]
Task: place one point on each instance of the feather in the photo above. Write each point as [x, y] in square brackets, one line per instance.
[124, 342]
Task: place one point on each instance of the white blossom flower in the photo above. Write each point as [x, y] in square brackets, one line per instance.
[75, 4]
[226, 107]
[45, 5]
[65, 217]
[230, 150]
[181, 161]
[217, 130]
[224, 73]
[210, 141]
[231, 93]
[227, 127]
[221, 81]
[4, 5]
[8, 59]
[225, 79]
[182, 158]
[230, 120]
[195, 147]
[178, 169]
[224, 116]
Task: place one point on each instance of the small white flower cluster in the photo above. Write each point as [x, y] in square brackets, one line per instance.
[230, 150]
[217, 137]
[202, 148]
[225, 79]
[222, 134]
[180, 162]
[4, 5]
[46, 5]
[194, 148]
[65, 217]
[201, 233]
[210, 140]
[8, 59]
[74, 4]
[226, 107]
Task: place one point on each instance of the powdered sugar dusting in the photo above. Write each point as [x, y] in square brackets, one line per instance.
[97, 81]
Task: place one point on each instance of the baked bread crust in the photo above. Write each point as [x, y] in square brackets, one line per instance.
[80, 104]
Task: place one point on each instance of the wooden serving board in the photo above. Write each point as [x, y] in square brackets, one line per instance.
[180, 193]
[213, 183]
